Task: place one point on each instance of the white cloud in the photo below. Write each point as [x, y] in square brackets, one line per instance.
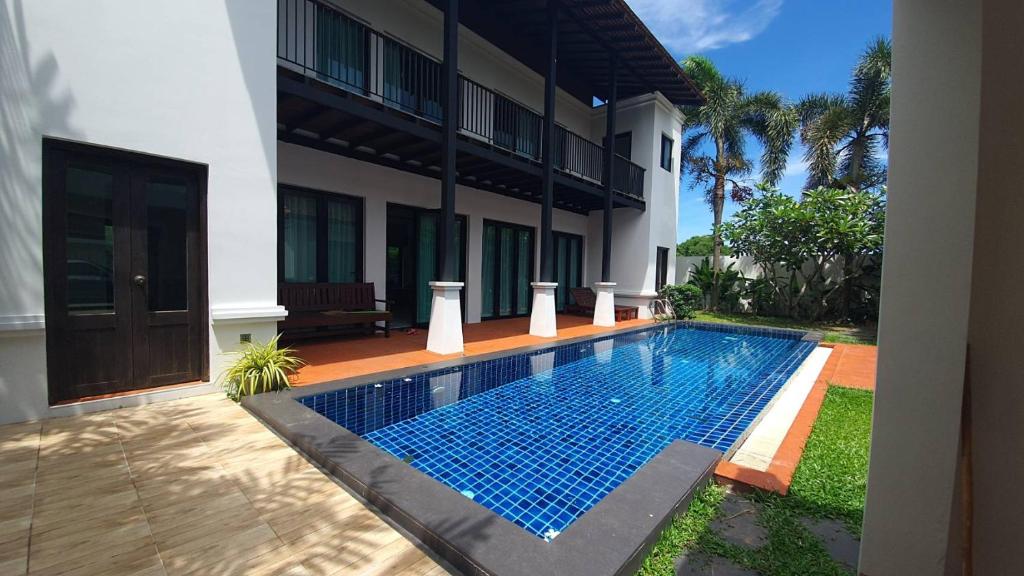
[694, 26]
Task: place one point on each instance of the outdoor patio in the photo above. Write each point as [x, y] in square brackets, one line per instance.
[332, 359]
[182, 487]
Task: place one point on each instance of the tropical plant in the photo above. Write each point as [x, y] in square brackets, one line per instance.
[702, 276]
[701, 245]
[684, 298]
[844, 134]
[818, 256]
[724, 121]
[259, 368]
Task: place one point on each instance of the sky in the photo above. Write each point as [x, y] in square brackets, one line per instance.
[794, 47]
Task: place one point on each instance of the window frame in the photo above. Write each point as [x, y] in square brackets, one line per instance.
[322, 197]
[661, 268]
[662, 161]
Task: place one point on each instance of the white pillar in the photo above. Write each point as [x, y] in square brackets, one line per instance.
[445, 333]
[542, 320]
[604, 307]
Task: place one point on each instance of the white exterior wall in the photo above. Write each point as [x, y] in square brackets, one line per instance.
[637, 235]
[378, 186]
[420, 25]
[187, 79]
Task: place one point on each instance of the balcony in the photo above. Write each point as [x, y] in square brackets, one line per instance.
[351, 90]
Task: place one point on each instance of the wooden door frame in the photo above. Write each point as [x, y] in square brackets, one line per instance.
[53, 150]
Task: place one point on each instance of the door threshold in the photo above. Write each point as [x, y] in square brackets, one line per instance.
[129, 393]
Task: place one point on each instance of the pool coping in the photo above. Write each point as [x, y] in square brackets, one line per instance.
[612, 538]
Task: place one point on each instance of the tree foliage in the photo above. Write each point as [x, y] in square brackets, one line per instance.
[700, 245]
[816, 254]
[724, 121]
[844, 135]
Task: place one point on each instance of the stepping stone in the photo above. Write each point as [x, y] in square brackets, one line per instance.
[736, 523]
[700, 564]
[842, 546]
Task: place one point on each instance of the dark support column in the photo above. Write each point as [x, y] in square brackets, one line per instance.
[449, 125]
[547, 146]
[609, 167]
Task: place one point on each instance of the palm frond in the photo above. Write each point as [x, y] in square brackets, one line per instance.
[772, 121]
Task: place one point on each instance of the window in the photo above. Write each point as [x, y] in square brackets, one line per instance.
[624, 145]
[666, 152]
[661, 271]
[320, 237]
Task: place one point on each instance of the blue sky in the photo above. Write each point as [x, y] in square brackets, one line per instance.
[794, 47]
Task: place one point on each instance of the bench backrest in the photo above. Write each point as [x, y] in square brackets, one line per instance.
[326, 296]
[584, 297]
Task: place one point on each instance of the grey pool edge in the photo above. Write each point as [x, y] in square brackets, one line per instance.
[612, 538]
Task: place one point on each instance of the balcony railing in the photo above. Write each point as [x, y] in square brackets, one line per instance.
[326, 44]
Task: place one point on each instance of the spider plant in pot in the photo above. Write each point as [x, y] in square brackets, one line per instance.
[260, 367]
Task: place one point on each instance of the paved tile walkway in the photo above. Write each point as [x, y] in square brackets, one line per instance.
[194, 486]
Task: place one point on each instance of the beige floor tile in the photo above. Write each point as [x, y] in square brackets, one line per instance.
[390, 559]
[195, 486]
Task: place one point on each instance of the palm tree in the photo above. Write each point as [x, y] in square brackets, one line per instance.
[725, 120]
[844, 133]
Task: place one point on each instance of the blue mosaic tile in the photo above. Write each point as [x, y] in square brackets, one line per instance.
[542, 437]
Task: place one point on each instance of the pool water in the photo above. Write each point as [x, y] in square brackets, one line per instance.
[540, 438]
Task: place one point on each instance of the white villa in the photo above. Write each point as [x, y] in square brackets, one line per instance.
[175, 192]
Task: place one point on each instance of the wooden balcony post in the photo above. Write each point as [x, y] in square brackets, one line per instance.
[609, 167]
[543, 321]
[449, 126]
[547, 147]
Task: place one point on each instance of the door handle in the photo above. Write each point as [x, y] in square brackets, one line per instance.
[139, 280]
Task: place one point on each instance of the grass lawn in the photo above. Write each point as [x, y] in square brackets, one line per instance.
[838, 333]
[830, 482]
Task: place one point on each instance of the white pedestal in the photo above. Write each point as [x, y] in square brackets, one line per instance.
[604, 307]
[542, 320]
[445, 333]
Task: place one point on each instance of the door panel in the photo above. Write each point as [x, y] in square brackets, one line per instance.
[108, 219]
[165, 326]
[507, 270]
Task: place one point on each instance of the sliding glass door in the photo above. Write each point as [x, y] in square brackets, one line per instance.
[568, 267]
[414, 260]
[507, 270]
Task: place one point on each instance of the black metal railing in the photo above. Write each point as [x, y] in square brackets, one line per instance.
[333, 47]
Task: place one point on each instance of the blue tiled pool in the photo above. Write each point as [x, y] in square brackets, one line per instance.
[541, 437]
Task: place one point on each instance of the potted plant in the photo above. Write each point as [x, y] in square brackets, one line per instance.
[260, 367]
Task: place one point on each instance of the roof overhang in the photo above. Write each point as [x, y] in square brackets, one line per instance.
[589, 31]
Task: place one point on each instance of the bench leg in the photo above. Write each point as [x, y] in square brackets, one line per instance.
[387, 329]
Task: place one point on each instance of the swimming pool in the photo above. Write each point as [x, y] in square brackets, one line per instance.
[541, 437]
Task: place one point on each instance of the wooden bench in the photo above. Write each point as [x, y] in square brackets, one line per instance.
[586, 300]
[322, 309]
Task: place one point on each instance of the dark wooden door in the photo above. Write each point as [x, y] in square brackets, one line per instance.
[124, 271]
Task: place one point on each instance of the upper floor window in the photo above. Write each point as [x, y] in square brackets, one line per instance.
[666, 152]
[624, 145]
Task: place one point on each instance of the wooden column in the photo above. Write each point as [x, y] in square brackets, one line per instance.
[449, 126]
[609, 167]
[547, 146]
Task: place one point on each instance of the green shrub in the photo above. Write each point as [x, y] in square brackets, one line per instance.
[686, 299]
[260, 368]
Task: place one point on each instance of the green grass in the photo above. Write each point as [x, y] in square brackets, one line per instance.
[836, 333]
[829, 483]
